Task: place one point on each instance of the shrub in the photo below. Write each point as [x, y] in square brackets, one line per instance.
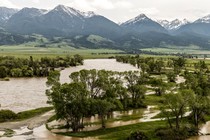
[7, 115]
[172, 134]
[138, 135]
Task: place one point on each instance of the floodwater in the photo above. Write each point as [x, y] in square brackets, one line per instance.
[147, 113]
[20, 94]
[205, 129]
[42, 133]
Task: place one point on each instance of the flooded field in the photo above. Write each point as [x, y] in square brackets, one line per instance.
[41, 132]
[21, 94]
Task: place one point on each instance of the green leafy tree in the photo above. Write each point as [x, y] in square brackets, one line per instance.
[103, 107]
[137, 94]
[70, 102]
[176, 105]
[200, 107]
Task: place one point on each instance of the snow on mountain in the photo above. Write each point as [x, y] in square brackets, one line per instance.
[6, 13]
[139, 18]
[205, 19]
[73, 12]
[163, 23]
[89, 14]
[68, 10]
[141, 24]
[174, 24]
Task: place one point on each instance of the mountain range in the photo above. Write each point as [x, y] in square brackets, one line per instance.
[139, 32]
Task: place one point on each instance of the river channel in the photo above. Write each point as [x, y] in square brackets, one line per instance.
[20, 94]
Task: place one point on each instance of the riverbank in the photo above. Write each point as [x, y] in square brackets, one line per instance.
[31, 119]
[24, 127]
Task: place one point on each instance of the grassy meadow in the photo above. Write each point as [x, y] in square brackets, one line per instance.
[194, 50]
[24, 51]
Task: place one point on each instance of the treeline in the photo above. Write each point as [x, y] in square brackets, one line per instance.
[157, 65]
[20, 67]
[95, 92]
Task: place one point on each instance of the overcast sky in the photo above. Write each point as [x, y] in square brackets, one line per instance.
[122, 10]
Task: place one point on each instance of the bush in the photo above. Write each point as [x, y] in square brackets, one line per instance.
[172, 134]
[7, 115]
[138, 135]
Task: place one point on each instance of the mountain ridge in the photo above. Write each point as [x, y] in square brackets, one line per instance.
[141, 31]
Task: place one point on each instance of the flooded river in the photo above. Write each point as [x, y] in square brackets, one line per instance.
[21, 94]
[42, 133]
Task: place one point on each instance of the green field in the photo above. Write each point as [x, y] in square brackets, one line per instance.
[24, 51]
[179, 49]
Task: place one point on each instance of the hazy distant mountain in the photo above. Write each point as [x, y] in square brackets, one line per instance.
[61, 21]
[24, 21]
[174, 24]
[205, 19]
[102, 26]
[200, 26]
[5, 14]
[142, 24]
[84, 29]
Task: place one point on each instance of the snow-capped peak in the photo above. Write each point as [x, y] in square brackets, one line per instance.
[205, 19]
[174, 24]
[6, 13]
[141, 17]
[89, 14]
[163, 23]
[70, 11]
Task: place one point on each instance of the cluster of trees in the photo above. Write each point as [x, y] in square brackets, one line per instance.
[191, 101]
[101, 92]
[176, 107]
[20, 67]
[153, 65]
[150, 65]
[94, 92]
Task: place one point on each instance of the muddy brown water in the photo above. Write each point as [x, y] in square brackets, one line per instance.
[20, 94]
[205, 129]
[43, 134]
